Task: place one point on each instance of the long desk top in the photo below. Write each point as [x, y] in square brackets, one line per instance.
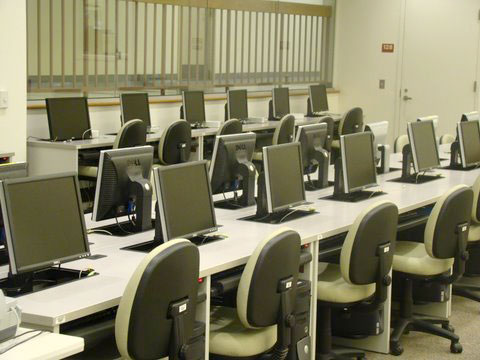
[77, 299]
[108, 140]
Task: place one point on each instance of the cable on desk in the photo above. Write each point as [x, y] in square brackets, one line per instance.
[121, 228]
[23, 341]
[93, 231]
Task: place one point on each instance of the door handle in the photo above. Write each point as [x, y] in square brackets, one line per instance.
[406, 98]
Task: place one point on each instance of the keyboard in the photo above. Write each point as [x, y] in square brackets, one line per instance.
[198, 126]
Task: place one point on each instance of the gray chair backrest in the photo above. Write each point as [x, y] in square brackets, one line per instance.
[284, 132]
[376, 225]
[177, 135]
[276, 258]
[230, 127]
[169, 273]
[132, 133]
[452, 209]
[352, 122]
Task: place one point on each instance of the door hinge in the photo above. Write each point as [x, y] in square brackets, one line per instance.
[478, 14]
[475, 83]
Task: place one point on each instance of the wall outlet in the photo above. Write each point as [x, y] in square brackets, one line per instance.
[3, 99]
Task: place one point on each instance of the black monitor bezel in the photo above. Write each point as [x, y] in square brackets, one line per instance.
[273, 101]
[228, 102]
[460, 125]
[312, 100]
[49, 116]
[184, 94]
[149, 120]
[411, 139]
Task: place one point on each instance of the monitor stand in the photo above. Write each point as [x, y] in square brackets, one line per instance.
[263, 216]
[455, 162]
[270, 112]
[246, 171]
[322, 158]
[17, 285]
[339, 193]
[408, 176]
[158, 240]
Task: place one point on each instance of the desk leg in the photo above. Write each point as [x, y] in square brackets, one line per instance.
[203, 312]
[47, 160]
[201, 147]
[379, 343]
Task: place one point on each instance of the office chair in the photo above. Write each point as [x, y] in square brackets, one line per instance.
[263, 319]
[284, 133]
[400, 143]
[447, 139]
[132, 133]
[156, 315]
[230, 127]
[351, 123]
[175, 143]
[362, 279]
[445, 244]
[330, 129]
[472, 268]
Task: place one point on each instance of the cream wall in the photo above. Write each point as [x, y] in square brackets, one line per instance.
[13, 77]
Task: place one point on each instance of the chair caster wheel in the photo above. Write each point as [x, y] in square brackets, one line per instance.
[396, 349]
[456, 348]
[361, 358]
[448, 327]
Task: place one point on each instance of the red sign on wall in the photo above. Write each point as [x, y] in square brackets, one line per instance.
[388, 48]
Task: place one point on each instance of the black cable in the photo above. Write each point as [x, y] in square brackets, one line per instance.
[121, 228]
[21, 342]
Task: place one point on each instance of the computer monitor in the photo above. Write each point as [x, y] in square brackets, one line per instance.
[44, 223]
[469, 139]
[421, 135]
[68, 118]
[184, 200]
[281, 102]
[318, 98]
[313, 139]
[358, 162]
[471, 116]
[194, 107]
[283, 176]
[124, 189]
[135, 106]
[237, 104]
[232, 169]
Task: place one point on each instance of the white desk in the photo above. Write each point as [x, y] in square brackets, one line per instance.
[45, 346]
[52, 307]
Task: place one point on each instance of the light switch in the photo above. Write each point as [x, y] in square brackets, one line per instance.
[381, 84]
[3, 99]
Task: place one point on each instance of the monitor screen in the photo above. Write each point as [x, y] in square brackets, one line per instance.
[68, 118]
[135, 106]
[359, 169]
[284, 176]
[318, 98]
[185, 200]
[281, 102]
[237, 104]
[469, 136]
[44, 221]
[194, 107]
[421, 135]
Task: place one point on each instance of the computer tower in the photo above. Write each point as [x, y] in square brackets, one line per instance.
[302, 323]
[423, 292]
[472, 267]
[357, 323]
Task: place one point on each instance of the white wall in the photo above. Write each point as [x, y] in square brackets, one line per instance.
[13, 77]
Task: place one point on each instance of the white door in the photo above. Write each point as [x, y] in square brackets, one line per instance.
[439, 67]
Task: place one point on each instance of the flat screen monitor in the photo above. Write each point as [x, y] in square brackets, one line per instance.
[44, 221]
[119, 170]
[185, 200]
[229, 151]
[68, 118]
[422, 138]
[471, 116]
[281, 102]
[312, 138]
[318, 98]
[237, 104]
[194, 107]
[135, 106]
[283, 176]
[469, 138]
[358, 162]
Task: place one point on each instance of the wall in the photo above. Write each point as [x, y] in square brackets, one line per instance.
[13, 77]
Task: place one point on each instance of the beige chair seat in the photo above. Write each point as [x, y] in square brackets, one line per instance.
[228, 337]
[332, 287]
[412, 258]
[257, 156]
[474, 232]
[336, 144]
[88, 171]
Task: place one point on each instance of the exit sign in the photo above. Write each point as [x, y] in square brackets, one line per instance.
[388, 48]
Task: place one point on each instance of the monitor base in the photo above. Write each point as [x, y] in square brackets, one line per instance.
[280, 217]
[229, 204]
[148, 246]
[413, 179]
[315, 185]
[17, 285]
[124, 228]
[355, 196]
[459, 168]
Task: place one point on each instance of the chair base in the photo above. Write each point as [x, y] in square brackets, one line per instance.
[469, 292]
[403, 326]
[341, 354]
